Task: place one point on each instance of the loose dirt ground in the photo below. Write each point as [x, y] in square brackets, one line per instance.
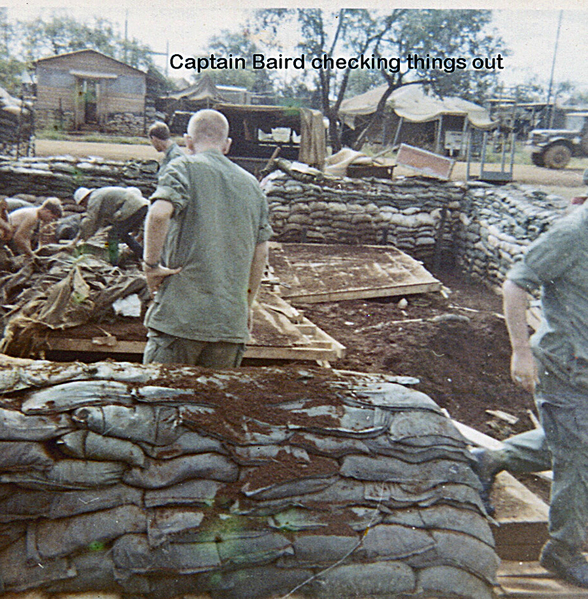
[457, 346]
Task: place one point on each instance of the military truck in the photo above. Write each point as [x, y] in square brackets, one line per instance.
[554, 148]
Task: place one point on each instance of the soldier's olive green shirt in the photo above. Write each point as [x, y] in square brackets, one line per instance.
[557, 262]
[174, 151]
[108, 206]
[220, 215]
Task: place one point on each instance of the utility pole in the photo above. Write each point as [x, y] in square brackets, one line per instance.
[126, 34]
[549, 107]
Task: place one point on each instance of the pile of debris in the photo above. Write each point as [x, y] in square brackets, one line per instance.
[158, 480]
[60, 291]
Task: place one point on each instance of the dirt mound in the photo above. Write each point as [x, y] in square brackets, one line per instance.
[457, 347]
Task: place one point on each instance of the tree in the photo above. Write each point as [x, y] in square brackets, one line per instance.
[10, 67]
[347, 33]
[61, 33]
[227, 43]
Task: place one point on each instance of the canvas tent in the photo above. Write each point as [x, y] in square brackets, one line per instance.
[415, 116]
[202, 94]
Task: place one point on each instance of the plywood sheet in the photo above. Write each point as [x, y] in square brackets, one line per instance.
[424, 162]
[310, 273]
[280, 332]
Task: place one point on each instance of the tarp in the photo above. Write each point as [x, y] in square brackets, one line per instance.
[204, 90]
[413, 104]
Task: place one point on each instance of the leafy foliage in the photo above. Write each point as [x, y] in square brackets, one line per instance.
[238, 44]
[356, 32]
[61, 33]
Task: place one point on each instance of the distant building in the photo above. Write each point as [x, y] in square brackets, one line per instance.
[87, 90]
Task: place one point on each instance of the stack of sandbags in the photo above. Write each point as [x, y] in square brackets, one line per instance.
[61, 175]
[126, 123]
[415, 214]
[159, 480]
[498, 223]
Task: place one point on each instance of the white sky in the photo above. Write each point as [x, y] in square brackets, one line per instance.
[529, 30]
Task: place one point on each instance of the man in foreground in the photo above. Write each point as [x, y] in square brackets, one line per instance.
[206, 248]
[554, 366]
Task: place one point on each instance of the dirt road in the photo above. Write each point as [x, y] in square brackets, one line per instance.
[566, 183]
[83, 149]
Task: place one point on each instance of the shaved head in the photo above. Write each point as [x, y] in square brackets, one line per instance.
[208, 127]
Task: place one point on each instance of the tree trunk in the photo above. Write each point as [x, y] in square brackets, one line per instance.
[362, 138]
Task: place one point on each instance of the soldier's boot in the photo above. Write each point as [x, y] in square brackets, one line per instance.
[487, 464]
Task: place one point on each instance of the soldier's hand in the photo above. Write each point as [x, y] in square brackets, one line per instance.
[156, 276]
[523, 369]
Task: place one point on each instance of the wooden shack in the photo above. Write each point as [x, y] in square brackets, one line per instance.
[87, 90]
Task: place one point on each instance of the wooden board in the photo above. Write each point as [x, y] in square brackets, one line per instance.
[528, 580]
[280, 332]
[521, 520]
[310, 273]
[424, 162]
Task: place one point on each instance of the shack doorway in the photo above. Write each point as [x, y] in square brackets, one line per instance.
[87, 113]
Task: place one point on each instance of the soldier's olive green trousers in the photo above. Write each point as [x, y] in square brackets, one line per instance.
[562, 445]
[167, 349]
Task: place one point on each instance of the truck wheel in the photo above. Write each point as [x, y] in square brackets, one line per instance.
[537, 159]
[557, 156]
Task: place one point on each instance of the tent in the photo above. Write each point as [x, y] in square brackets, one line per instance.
[205, 91]
[414, 117]
[413, 104]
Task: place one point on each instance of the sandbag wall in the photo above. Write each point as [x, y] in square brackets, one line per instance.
[498, 223]
[414, 214]
[483, 227]
[156, 481]
[60, 176]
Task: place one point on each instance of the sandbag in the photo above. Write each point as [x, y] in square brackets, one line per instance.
[24, 455]
[89, 445]
[157, 474]
[149, 424]
[16, 426]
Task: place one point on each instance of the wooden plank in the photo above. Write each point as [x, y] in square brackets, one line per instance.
[55, 343]
[310, 273]
[320, 350]
[528, 580]
[365, 293]
[424, 162]
[522, 520]
[285, 334]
